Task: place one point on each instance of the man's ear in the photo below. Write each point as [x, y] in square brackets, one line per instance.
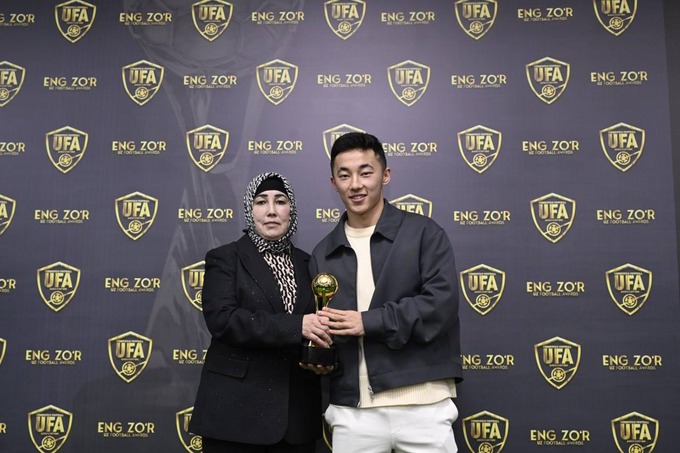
[387, 176]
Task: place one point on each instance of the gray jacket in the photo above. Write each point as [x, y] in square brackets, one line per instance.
[412, 330]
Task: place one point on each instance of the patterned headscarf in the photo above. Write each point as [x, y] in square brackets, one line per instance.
[283, 243]
[278, 253]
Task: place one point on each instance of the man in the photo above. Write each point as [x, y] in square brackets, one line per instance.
[394, 319]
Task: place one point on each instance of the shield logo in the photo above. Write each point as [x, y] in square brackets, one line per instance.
[635, 433]
[58, 284]
[129, 354]
[415, 204]
[3, 348]
[66, 147]
[482, 287]
[11, 81]
[615, 15]
[629, 287]
[207, 146]
[49, 428]
[7, 209]
[332, 134]
[476, 17]
[486, 432]
[558, 360]
[408, 81]
[192, 283]
[553, 215]
[276, 80]
[479, 147]
[623, 145]
[211, 17]
[142, 80]
[135, 213]
[548, 78]
[74, 19]
[344, 17]
[191, 442]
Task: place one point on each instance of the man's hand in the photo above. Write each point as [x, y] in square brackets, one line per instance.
[315, 331]
[342, 322]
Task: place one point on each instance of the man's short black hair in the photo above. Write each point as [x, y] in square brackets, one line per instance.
[358, 140]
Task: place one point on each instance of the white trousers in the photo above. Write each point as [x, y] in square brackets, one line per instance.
[404, 429]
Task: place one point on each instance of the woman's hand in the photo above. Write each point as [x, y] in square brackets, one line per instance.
[314, 331]
[318, 369]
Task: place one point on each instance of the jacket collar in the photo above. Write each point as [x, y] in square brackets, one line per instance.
[387, 226]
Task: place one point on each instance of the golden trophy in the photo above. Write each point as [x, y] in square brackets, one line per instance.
[324, 287]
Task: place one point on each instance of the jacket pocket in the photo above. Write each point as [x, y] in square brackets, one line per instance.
[227, 365]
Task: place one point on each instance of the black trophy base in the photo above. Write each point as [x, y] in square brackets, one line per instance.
[314, 355]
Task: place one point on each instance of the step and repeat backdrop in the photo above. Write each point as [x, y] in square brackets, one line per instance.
[536, 133]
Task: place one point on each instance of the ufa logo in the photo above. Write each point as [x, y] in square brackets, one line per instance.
[629, 287]
[414, 204]
[332, 134]
[558, 360]
[191, 442]
[74, 19]
[49, 428]
[7, 208]
[482, 287]
[548, 78]
[3, 348]
[615, 15]
[57, 284]
[129, 354]
[276, 80]
[207, 146]
[142, 80]
[479, 147]
[553, 215]
[11, 80]
[344, 17]
[622, 144]
[66, 147]
[476, 17]
[408, 81]
[192, 283]
[211, 17]
[135, 213]
[635, 433]
[486, 432]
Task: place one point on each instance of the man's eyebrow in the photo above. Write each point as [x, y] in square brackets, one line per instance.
[361, 167]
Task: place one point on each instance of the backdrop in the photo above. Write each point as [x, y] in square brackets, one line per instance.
[538, 135]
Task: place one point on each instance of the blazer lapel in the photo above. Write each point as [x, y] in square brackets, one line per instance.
[304, 298]
[259, 271]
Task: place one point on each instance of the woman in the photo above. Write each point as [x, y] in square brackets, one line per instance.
[259, 308]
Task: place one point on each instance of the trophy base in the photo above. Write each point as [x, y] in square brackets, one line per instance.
[314, 355]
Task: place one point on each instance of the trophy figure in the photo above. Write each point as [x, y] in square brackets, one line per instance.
[324, 287]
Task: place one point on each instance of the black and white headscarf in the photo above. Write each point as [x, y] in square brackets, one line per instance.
[277, 253]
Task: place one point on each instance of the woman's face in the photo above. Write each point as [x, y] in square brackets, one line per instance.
[271, 213]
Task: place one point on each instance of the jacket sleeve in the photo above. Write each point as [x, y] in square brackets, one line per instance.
[241, 322]
[428, 312]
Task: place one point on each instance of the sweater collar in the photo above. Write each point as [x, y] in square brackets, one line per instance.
[387, 226]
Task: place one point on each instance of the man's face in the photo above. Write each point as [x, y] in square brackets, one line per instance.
[359, 178]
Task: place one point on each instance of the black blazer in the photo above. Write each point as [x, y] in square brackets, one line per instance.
[252, 389]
